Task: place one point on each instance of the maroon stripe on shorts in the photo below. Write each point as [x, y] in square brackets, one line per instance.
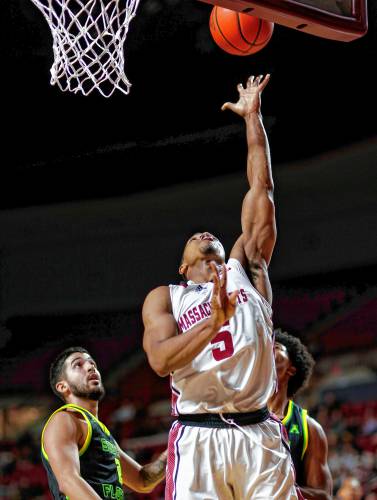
[173, 461]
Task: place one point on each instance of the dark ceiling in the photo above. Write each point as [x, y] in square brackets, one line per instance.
[59, 147]
[62, 147]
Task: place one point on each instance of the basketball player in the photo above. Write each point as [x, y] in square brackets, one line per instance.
[82, 459]
[214, 336]
[308, 442]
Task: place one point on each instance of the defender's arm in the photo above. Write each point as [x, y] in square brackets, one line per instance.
[142, 478]
[60, 441]
[318, 484]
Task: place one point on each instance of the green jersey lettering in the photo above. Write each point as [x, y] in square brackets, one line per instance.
[294, 429]
[119, 470]
[109, 447]
[119, 493]
[107, 490]
[110, 492]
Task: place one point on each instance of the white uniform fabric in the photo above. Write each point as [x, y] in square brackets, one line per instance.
[225, 464]
[236, 371]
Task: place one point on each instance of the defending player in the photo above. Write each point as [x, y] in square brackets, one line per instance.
[214, 336]
[308, 442]
[82, 459]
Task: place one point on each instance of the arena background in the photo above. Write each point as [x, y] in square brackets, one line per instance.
[97, 197]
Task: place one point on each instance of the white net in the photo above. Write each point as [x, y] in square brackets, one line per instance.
[88, 38]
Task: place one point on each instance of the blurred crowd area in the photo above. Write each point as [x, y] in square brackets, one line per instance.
[137, 410]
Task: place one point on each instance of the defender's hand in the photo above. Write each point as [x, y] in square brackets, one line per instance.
[223, 305]
[250, 97]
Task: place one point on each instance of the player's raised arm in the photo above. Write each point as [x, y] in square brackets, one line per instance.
[166, 350]
[255, 246]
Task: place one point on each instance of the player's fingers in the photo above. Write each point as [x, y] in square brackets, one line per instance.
[215, 279]
[250, 80]
[233, 297]
[240, 87]
[264, 82]
[213, 267]
[228, 105]
[215, 293]
[224, 279]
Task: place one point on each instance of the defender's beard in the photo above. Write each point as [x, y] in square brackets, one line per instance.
[94, 394]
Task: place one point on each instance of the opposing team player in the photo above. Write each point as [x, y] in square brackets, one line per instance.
[308, 443]
[82, 459]
[214, 336]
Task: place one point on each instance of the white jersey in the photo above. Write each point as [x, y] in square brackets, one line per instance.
[235, 372]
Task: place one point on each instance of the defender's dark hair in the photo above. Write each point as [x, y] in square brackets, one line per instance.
[300, 358]
[57, 367]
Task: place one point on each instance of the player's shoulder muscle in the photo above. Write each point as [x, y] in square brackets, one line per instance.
[62, 427]
[317, 435]
[157, 300]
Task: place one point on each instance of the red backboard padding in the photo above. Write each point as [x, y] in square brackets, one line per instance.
[343, 20]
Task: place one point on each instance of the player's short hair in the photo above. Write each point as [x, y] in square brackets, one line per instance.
[57, 367]
[300, 358]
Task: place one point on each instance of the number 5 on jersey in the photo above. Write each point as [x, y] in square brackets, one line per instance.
[226, 349]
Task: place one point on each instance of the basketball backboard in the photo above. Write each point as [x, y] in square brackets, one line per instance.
[343, 20]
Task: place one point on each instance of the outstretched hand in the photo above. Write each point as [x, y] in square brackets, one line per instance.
[223, 305]
[250, 97]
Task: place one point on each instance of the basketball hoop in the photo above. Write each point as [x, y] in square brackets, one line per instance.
[88, 38]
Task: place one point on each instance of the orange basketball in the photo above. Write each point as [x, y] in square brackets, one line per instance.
[237, 33]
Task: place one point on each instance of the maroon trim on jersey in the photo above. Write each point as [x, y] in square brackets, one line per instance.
[174, 397]
[283, 431]
[299, 494]
[273, 353]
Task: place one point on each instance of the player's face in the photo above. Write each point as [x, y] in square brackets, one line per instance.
[83, 377]
[206, 246]
[282, 362]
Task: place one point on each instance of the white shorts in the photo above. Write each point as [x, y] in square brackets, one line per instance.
[229, 463]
